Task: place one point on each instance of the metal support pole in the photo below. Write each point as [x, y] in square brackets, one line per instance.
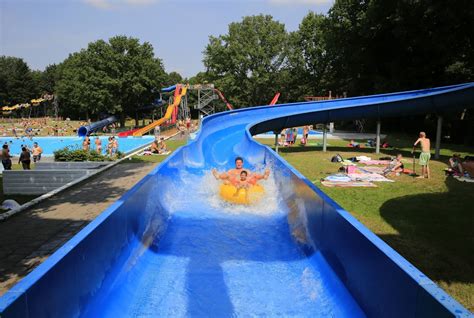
[438, 136]
[377, 139]
[276, 142]
[325, 137]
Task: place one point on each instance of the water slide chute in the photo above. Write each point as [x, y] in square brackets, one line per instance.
[88, 129]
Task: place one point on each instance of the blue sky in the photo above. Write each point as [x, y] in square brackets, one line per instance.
[43, 32]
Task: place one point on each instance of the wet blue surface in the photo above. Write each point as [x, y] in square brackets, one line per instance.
[51, 144]
[212, 264]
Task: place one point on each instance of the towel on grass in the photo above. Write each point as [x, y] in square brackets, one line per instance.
[374, 177]
[375, 162]
[348, 184]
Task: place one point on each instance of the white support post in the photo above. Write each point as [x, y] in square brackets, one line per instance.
[276, 142]
[325, 137]
[438, 136]
[377, 139]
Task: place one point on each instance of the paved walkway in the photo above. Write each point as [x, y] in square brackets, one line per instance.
[28, 238]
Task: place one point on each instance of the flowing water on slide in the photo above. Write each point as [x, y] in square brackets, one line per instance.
[219, 259]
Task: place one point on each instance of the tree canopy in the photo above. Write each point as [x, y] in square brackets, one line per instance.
[115, 77]
[245, 62]
[17, 84]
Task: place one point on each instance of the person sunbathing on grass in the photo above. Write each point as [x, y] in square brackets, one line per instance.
[395, 166]
[233, 175]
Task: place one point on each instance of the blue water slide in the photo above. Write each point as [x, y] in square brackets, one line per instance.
[168, 89]
[89, 129]
[171, 247]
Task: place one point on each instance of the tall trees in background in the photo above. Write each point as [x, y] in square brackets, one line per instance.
[359, 47]
[383, 45]
[17, 82]
[116, 77]
[307, 65]
[246, 62]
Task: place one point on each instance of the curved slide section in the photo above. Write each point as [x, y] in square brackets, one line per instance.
[171, 247]
[179, 92]
[89, 129]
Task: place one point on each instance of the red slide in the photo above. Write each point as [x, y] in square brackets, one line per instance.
[275, 99]
[229, 106]
[127, 133]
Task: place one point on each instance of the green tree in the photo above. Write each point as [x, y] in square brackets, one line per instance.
[16, 81]
[383, 45]
[246, 62]
[117, 77]
[174, 78]
[307, 59]
[50, 77]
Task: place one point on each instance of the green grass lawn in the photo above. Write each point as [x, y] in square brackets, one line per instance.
[171, 145]
[429, 222]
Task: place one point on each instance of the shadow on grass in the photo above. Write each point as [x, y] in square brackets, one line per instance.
[435, 231]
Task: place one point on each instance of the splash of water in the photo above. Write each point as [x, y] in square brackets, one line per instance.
[204, 189]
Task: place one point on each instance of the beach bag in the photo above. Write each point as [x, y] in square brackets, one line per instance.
[336, 158]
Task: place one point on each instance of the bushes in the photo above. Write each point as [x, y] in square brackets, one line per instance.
[68, 154]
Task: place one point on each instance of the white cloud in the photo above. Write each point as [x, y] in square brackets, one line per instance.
[140, 2]
[101, 4]
[303, 2]
[111, 4]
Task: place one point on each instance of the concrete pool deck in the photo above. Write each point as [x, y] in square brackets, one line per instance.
[27, 239]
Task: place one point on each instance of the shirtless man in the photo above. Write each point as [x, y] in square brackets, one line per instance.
[162, 146]
[154, 148]
[233, 175]
[37, 151]
[86, 144]
[425, 154]
[98, 145]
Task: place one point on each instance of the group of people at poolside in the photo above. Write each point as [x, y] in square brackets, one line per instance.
[158, 146]
[24, 158]
[289, 136]
[111, 148]
[397, 167]
[240, 177]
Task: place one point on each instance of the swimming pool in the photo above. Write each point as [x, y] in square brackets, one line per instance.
[300, 132]
[51, 144]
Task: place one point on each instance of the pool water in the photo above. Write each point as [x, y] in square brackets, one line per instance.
[300, 132]
[51, 144]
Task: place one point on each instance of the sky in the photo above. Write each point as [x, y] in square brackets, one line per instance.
[44, 32]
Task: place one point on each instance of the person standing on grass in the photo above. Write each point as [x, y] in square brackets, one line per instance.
[6, 158]
[425, 154]
[37, 151]
[25, 158]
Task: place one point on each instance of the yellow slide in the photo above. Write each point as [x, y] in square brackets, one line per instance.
[169, 111]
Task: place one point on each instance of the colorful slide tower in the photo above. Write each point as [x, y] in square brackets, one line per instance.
[179, 92]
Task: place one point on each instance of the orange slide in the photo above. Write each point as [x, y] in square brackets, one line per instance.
[179, 92]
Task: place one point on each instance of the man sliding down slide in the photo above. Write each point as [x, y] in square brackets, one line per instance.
[233, 175]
